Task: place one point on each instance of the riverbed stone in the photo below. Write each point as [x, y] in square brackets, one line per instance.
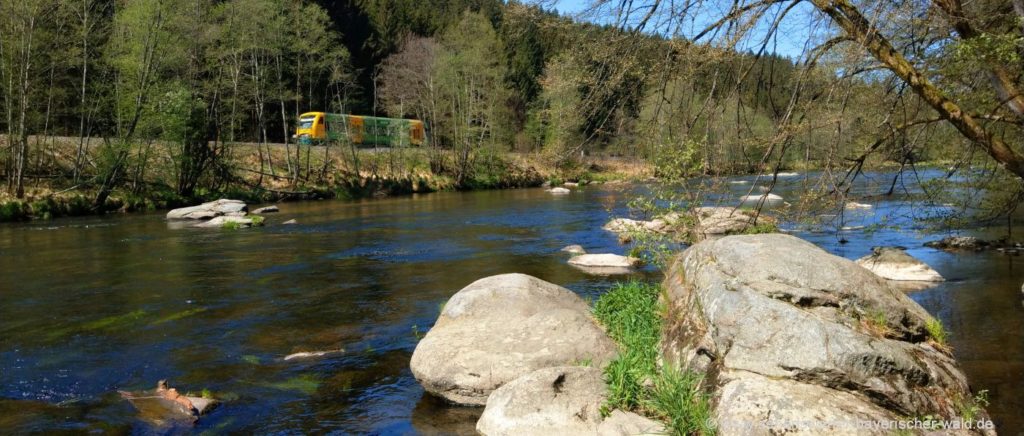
[893, 263]
[788, 332]
[558, 400]
[559, 191]
[502, 327]
[604, 260]
[208, 210]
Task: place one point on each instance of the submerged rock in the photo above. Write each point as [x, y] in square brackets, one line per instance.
[500, 328]
[164, 405]
[267, 209]
[560, 400]
[895, 264]
[208, 210]
[574, 249]
[290, 222]
[310, 354]
[794, 334]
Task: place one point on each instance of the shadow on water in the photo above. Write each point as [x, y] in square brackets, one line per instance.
[92, 305]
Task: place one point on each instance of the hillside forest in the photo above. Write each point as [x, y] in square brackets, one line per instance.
[150, 103]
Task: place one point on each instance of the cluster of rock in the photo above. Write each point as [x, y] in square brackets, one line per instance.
[708, 222]
[220, 213]
[516, 344]
[791, 336]
[562, 190]
[971, 243]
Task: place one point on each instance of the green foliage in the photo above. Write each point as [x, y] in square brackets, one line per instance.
[761, 227]
[677, 160]
[13, 210]
[257, 220]
[630, 312]
[231, 225]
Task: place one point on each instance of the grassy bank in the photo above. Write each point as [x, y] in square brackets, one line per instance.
[636, 381]
[274, 172]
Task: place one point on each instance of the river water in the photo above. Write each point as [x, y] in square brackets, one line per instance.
[90, 306]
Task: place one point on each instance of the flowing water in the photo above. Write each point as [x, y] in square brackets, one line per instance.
[91, 306]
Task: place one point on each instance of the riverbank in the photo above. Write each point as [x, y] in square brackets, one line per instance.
[258, 173]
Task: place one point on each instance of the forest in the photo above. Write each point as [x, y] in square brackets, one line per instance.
[158, 102]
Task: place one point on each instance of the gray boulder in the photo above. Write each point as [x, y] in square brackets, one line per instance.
[790, 333]
[500, 328]
[895, 264]
[208, 210]
[559, 191]
[558, 400]
[959, 243]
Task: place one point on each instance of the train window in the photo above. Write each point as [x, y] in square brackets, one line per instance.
[305, 123]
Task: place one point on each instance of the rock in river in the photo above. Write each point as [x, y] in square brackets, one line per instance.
[790, 333]
[500, 328]
[895, 264]
[222, 221]
[560, 400]
[604, 261]
[208, 210]
[766, 201]
[959, 243]
[267, 209]
[559, 191]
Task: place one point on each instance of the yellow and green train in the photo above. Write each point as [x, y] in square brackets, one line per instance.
[320, 127]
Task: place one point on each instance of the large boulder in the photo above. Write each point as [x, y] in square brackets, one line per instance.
[788, 333]
[500, 328]
[208, 210]
[765, 201]
[558, 400]
[895, 264]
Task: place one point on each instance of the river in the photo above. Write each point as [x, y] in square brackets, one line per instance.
[90, 306]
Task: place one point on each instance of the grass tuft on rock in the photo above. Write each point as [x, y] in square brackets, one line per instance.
[631, 314]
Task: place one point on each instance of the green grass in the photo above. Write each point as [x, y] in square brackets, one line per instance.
[257, 220]
[636, 382]
[937, 331]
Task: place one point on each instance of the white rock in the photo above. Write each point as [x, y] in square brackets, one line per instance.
[500, 328]
[855, 205]
[570, 184]
[208, 210]
[267, 209]
[605, 260]
[765, 200]
[559, 191]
